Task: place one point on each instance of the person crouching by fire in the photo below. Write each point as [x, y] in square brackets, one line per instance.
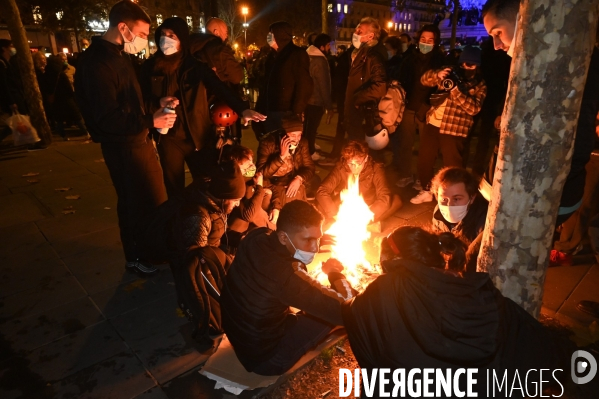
[268, 276]
[285, 161]
[460, 209]
[372, 183]
[423, 313]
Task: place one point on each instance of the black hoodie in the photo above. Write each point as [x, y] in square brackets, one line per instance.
[419, 317]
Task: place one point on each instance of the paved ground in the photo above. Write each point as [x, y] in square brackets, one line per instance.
[75, 324]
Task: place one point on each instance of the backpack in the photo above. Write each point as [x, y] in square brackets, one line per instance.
[392, 106]
[199, 279]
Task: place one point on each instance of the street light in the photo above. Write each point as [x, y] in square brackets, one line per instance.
[244, 12]
[390, 25]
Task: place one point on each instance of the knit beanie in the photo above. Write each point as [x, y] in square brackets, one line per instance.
[292, 124]
[227, 182]
[179, 27]
[471, 55]
[282, 31]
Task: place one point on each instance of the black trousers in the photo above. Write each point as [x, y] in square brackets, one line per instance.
[302, 333]
[137, 178]
[312, 117]
[431, 141]
[174, 153]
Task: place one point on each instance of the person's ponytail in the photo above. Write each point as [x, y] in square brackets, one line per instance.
[454, 251]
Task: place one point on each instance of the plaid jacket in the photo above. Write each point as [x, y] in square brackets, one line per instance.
[458, 117]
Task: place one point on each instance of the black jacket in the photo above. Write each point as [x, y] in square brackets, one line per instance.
[373, 187]
[262, 283]
[269, 160]
[109, 96]
[211, 50]
[287, 85]
[419, 317]
[193, 79]
[411, 70]
[367, 80]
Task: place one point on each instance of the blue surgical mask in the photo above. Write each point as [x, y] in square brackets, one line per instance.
[303, 256]
[425, 48]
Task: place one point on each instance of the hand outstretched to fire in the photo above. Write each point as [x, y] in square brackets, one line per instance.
[332, 265]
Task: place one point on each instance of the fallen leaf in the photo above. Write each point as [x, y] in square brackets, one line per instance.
[73, 197]
[68, 212]
[86, 142]
[68, 207]
[136, 285]
[62, 189]
[30, 174]
[33, 181]
[180, 313]
[99, 160]
[107, 207]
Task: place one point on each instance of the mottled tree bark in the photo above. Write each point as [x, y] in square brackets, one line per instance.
[323, 13]
[32, 94]
[551, 59]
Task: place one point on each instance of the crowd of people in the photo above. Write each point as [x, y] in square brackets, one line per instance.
[239, 237]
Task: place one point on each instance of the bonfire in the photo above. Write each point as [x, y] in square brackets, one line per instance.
[350, 231]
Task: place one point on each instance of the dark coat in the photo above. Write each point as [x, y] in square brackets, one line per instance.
[193, 79]
[287, 85]
[10, 92]
[109, 96]
[367, 80]
[269, 160]
[411, 70]
[211, 50]
[262, 283]
[373, 187]
[419, 317]
[203, 222]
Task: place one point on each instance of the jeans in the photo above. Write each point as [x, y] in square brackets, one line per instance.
[402, 142]
[174, 153]
[302, 333]
[312, 116]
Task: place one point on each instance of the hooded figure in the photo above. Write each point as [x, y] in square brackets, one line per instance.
[172, 71]
[287, 86]
[423, 314]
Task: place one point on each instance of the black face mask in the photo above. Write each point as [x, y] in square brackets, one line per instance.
[469, 73]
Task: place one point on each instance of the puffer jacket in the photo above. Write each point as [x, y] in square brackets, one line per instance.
[261, 284]
[367, 79]
[203, 223]
[269, 160]
[321, 76]
[373, 187]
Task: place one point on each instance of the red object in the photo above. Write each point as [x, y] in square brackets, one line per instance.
[223, 115]
[557, 258]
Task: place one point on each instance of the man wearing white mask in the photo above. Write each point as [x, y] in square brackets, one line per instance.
[111, 104]
[172, 71]
[460, 209]
[367, 81]
[287, 86]
[268, 276]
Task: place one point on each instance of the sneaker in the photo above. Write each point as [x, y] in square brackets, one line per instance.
[317, 157]
[141, 267]
[423, 196]
[558, 258]
[417, 186]
[317, 147]
[327, 162]
[404, 182]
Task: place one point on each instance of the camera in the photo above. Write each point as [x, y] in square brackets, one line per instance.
[452, 80]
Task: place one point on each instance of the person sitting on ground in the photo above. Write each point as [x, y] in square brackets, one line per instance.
[372, 182]
[286, 164]
[250, 213]
[450, 117]
[268, 276]
[460, 209]
[423, 312]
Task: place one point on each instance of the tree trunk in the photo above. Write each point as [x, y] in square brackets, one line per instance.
[547, 77]
[33, 97]
[323, 12]
[454, 23]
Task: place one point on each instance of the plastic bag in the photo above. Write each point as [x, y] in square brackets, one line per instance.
[22, 130]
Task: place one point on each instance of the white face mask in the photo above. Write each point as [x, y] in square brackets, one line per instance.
[168, 45]
[390, 54]
[356, 40]
[136, 45]
[13, 51]
[404, 47]
[270, 39]
[425, 48]
[510, 51]
[455, 213]
[303, 256]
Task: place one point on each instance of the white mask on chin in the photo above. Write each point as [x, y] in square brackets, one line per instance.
[510, 51]
[303, 256]
[135, 45]
[168, 45]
